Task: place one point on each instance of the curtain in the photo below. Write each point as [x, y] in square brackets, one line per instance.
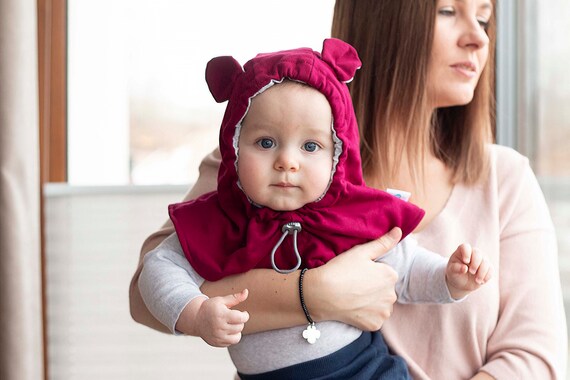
[21, 345]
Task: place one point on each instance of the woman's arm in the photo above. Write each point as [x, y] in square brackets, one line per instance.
[362, 296]
[530, 339]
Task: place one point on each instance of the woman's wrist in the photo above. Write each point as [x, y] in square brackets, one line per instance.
[316, 296]
[273, 301]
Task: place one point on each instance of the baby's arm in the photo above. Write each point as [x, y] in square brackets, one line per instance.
[170, 288]
[426, 277]
[466, 271]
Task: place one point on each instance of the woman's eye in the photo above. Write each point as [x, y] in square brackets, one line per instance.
[311, 146]
[484, 23]
[446, 11]
[266, 143]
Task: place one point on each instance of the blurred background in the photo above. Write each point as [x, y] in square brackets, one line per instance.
[126, 117]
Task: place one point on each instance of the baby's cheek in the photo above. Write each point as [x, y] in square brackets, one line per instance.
[320, 183]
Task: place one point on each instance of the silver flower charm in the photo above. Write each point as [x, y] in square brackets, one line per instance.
[311, 334]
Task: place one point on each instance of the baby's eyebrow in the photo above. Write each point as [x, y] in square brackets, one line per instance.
[256, 126]
[319, 133]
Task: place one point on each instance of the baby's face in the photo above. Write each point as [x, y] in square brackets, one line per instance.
[286, 147]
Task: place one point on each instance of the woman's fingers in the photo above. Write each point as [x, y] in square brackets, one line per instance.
[379, 247]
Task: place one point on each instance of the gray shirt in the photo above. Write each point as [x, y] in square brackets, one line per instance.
[168, 283]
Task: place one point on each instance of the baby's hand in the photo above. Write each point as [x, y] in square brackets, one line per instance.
[217, 323]
[466, 271]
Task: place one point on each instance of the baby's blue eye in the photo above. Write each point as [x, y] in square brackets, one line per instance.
[310, 146]
[266, 143]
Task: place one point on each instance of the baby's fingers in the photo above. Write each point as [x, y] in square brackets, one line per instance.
[475, 263]
[226, 340]
[484, 273]
[457, 268]
[233, 333]
[226, 335]
[233, 339]
[235, 299]
[236, 317]
[464, 252]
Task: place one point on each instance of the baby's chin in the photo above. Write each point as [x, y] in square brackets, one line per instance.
[285, 206]
[281, 208]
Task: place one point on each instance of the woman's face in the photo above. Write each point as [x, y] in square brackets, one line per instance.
[460, 51]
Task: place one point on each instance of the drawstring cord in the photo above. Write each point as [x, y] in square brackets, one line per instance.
[288, 229]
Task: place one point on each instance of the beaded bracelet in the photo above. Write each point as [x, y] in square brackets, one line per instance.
[311, 334]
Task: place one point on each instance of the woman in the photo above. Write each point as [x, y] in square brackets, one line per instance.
[424, 103]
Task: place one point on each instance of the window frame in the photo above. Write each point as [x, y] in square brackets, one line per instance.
[516, 77]
[52, 72]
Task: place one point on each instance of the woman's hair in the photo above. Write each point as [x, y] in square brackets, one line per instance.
[394, 41]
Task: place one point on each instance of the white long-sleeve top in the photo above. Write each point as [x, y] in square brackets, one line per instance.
[168, 283]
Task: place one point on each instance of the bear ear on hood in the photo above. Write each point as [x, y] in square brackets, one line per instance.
[221, 74]
[342, 58]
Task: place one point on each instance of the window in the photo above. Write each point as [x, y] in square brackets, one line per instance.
[139, 110]
[550, 137]
[533, 91]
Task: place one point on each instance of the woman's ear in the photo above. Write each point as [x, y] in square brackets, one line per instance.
[342, 58]
[221, 73]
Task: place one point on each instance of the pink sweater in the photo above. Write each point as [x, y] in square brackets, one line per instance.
[512, 328]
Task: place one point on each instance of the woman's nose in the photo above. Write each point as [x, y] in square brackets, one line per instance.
[286, 161]
[474, 35]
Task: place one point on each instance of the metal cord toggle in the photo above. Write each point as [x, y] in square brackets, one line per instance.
[291, 228]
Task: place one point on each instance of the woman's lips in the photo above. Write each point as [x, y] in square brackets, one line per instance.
[466, 69]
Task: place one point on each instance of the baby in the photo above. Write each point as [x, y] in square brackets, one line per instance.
[291, 195]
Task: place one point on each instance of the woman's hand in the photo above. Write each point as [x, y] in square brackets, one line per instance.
[352, 287]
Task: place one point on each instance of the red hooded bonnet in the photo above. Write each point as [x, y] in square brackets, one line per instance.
[223, 233]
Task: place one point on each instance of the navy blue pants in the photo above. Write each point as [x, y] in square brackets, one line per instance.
[365, 358]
